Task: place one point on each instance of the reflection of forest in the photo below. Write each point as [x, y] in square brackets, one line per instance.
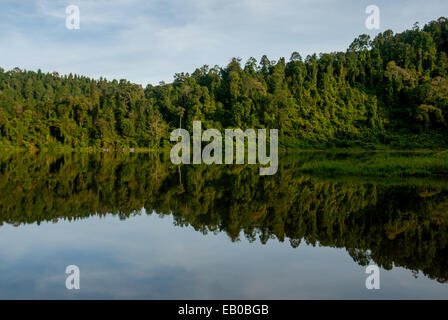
[390, 223]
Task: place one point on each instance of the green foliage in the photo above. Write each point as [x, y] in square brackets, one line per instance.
[382, 165]
[392, 90]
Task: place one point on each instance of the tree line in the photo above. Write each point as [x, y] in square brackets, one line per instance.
[391, 90]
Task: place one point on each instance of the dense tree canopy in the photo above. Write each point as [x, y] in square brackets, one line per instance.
[390, 90]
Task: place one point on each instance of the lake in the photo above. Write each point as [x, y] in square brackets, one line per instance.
[139, 227]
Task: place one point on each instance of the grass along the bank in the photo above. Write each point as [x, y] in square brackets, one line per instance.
[382, 165]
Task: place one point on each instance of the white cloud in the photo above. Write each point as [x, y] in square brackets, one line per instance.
[149, 41]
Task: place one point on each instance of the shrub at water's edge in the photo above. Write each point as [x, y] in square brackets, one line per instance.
[382, 164]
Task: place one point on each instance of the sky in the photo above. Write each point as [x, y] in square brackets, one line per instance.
[148, 41]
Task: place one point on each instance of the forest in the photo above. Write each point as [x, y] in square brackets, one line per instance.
[390, 91]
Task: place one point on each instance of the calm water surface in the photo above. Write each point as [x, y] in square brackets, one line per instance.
[138, 227]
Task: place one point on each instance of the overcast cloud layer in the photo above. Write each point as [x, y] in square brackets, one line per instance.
[147, 41]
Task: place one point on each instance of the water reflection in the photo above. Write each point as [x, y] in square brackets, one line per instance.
[388, 222]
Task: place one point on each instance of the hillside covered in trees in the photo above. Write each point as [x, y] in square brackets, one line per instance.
[388, 91]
